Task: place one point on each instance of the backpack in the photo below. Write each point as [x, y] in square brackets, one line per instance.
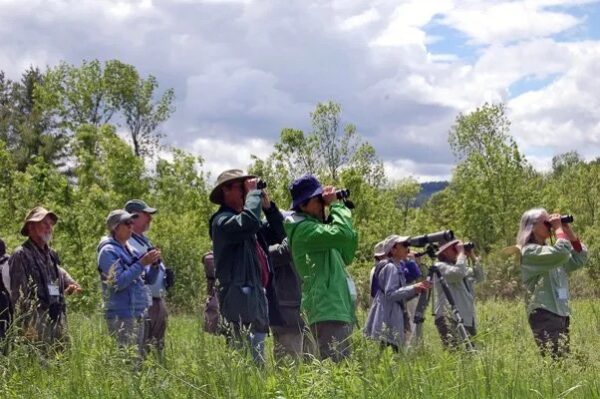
[6, 308]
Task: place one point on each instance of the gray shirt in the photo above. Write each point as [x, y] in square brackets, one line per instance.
[460, 279]
[385, 321]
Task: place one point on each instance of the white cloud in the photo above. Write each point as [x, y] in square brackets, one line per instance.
[407, 21]
[564, 114]
[357, 21]
[222, 154]
[506, 21]
[404, 168]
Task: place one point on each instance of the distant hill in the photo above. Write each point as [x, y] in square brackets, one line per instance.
[428, 189]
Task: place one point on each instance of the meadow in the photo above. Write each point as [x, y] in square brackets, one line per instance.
[198, 365]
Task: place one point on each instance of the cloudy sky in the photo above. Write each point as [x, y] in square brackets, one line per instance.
[402, 70]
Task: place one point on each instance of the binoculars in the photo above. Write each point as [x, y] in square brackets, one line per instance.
[564, 219]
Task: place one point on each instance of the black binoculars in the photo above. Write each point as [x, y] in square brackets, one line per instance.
[261, 184]
[564, 219]
[342, 193]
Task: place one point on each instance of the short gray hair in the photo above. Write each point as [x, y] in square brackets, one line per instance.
[528, 219]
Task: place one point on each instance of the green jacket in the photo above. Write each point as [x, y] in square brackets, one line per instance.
[321, 252]
[545, 269]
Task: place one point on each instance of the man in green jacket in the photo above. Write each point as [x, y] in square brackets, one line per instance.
[321, 250]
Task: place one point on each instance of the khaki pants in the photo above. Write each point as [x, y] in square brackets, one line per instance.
[329, 340]
[288, 341]
[551, 332]
[156, 324]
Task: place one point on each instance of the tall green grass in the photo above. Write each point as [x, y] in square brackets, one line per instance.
[197, 365]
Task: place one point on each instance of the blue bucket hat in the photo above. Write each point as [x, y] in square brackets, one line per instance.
[303, 189]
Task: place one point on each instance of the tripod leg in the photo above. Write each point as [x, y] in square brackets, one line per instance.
[419, 316]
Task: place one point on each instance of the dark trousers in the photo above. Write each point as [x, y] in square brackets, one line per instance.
[156, 324]
[551, 332]
[329, 340]
[448, 330]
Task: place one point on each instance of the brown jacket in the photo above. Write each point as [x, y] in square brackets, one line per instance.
[40, 311]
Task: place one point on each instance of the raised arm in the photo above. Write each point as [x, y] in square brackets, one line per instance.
[454, 273]
[238, 227]
[338, 234]
[115, 269]
[539, 259]
[389, 280]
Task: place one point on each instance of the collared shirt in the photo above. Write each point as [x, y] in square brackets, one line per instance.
[32, 271]
[459, 278]
[142, 244]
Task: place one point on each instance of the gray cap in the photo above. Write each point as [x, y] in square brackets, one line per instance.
[137, 205]
[118, 216]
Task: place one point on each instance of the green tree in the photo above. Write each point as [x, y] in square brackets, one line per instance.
[96, 94]
[27, 130]
[493, 183]
[336, 146]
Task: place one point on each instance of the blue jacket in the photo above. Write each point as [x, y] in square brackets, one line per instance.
[123, 288]
[411, 270]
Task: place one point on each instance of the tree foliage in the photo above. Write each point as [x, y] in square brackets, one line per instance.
[59, 148]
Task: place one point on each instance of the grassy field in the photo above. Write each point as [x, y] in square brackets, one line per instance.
[199, 365]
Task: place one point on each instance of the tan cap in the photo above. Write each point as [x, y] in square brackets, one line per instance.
[378, 250]
[392, 240]
[37, 214]
[226, 177]
[447, 245]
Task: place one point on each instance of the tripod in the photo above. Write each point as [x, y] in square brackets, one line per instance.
[419, 317]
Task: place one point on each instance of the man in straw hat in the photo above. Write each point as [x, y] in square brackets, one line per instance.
[240, 244]
[36, 283]
[452, 263]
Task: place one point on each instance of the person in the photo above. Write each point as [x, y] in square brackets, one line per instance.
[158, 278]
[211, 306]
[452, 263]
[288, 336]
[380, 261]
[6, 309]
[246, 296]
[545, 271]
[36, 284]
[387, 320]
[321, 251]
[412, 272]
[121, 267]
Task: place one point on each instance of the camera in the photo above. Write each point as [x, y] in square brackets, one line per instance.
[564, 219]
[158, 261]
[261, 184]
[438, 237]
[342, 193]
[468, 245]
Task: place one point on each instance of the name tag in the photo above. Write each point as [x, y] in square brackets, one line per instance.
[562, 294]
[352, 288]
[53, 290]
